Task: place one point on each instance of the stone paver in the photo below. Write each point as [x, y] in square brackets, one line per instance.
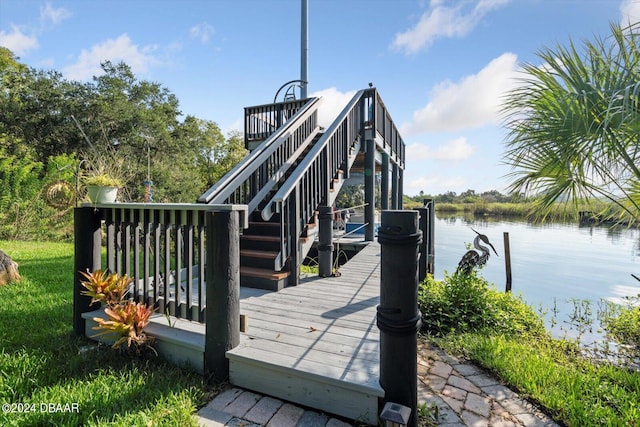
[478, 405]
[287, 416]
[313, 419]
[241, 405]
[264, 410]
[463, 393]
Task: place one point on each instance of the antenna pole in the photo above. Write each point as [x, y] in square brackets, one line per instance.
[304, 48]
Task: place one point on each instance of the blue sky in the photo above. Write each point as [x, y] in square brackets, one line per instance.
[441, 66]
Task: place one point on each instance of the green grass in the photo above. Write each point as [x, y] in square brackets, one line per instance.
[573, 390]
[42, 360]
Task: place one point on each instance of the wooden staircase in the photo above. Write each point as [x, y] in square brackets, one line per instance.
[260, 244]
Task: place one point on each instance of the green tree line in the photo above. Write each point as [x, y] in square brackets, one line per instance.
[48, 124]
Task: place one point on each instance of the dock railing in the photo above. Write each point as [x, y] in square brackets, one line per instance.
[184, 259]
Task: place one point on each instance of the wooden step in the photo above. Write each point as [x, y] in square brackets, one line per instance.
[259, 238]
[262, 278]
[256, 253]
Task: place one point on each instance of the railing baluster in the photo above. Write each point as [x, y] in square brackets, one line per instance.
[168, 242]
[189, 242]
[138, 295]
[202, 285]
[157, 242]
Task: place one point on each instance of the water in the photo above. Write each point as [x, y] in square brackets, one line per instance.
[549, 261]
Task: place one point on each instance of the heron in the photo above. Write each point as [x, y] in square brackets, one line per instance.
[472, 258]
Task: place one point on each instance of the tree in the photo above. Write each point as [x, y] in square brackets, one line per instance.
[574, 125]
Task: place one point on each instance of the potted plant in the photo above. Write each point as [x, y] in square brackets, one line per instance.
[102, 188]
[106, 171]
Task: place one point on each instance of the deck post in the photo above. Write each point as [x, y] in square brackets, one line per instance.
[222, 276]
[430, 204]
[394, 185]
[87, 246]
[423, 221]
[369, 189]
[325, 241]
[384, 183]
[398, 315]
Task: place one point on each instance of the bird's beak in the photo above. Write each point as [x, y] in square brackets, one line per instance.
[494, 249]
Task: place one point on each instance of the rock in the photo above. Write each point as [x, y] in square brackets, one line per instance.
[8, 269]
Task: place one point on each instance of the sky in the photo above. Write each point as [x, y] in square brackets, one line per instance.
[440, 66]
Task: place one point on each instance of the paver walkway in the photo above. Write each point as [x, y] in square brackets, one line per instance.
[464, 394]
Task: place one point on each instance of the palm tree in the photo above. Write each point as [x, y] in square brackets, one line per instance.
[574, 125]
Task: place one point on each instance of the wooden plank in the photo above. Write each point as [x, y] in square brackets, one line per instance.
[340, 344]
[338, 363]
[311, 319]
[336, 399]
[318, 371]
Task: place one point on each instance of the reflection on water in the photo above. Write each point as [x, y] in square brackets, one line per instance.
[552, 260]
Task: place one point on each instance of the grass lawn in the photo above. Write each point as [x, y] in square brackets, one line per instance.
[42, 361]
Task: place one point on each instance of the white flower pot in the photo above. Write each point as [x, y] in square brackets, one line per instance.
[98, 194]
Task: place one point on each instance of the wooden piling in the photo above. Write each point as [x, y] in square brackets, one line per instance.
[507, 261]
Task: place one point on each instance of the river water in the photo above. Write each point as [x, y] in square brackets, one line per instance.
[551, 263]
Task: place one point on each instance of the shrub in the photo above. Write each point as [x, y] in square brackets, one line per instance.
[466, 303]
[126, 319]
[622, 323]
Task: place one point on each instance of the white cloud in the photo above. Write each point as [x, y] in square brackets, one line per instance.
[54, 16]
[472, 102]
[454, 150]
[17, 42]
[433, 184]
[443, 21]
[202, 32]
[120, 49]
[630, 12]
[333, 101]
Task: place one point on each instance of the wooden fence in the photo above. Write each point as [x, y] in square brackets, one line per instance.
[184, 259]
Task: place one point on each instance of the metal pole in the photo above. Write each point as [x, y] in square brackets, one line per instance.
[304, 48]
[325, 241]
[398, 315]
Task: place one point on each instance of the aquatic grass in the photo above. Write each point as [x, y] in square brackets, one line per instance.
[43, 361]
[551, 372]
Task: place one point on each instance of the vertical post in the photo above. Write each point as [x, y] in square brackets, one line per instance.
[507, 261]
[430, 204]
[294, 236]
[423, 259]
[398, 315]
[222, 277]
[325, 241]
[87, 256]
[369, 189]
[304, 48]
[384, 185]
[394, 186]
[400, 187]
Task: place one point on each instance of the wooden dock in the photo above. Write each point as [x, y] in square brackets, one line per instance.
[316, 344]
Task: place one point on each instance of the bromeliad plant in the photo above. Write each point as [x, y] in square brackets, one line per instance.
[126, 319]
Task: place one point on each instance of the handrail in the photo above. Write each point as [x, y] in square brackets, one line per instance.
[250, 174]
[316, 179]
[312, 157]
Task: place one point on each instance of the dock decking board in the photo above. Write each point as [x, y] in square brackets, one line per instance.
[316, 344]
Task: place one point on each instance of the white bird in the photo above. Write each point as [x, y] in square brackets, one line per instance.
[472, 258]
